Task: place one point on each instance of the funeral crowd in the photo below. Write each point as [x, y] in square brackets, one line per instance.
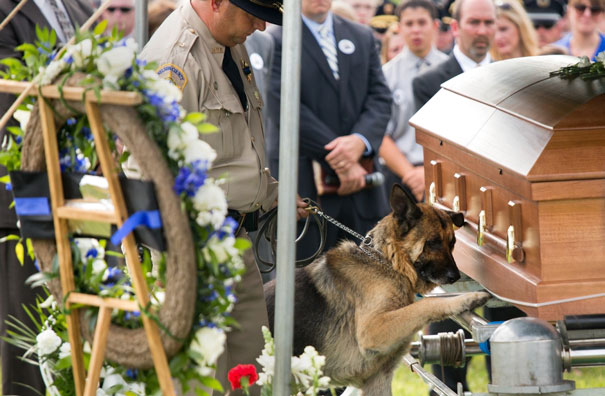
[367, 66]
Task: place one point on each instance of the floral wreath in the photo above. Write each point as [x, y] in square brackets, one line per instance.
[111, 63]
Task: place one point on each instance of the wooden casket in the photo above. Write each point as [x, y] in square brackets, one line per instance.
[522, 154]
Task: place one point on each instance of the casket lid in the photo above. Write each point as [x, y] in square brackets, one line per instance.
[515, 114]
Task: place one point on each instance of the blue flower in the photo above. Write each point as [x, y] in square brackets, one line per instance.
[92, 252]
[113, 275]
[69, 59]
[141, 62]
[190, 179]
[128, 73]
[18, 139]
[87, 133]
[132, 373]
[205, 323]
[132, 315]
[213, 296]
[8, 187]
[37, 264]
[71, 121]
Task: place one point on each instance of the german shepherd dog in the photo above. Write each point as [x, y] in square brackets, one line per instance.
[359, 311]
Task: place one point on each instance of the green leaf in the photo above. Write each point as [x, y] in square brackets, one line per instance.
[201, 392]
[195, 118]
[12, 237]
[19, 252]
[30, 248]
[15, 130]
[212, 383]
[63, 363]
[242, 244]
[27, 47]
[178, 362]
[207, 128]
[100, 28]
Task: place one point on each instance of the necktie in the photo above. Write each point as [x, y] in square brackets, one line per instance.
[422, 65]
[63, 20]
[326, 42]
[232, 72]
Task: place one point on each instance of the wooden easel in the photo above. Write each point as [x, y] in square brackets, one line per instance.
[87, 385]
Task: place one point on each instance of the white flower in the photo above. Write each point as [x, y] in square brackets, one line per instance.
[65, 350]
[48, 342]
[48, 302]
[584, 61]
[131, 44]
[164, 88]
[79, 52]
[179, 139]
[300, 372]
[223, 249]
[116, 61]
[23, 117]
[160, 296]
[601, 57]
[112, 379]
[101, 392]
[89, 247]
[267, 362]
[110, 83]
[138, 388]
[210, 198]
[98, 266]
[198, 150]
[48, 74]
[209, 342]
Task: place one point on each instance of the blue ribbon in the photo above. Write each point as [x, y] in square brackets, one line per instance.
[32, 206]
[148, 218]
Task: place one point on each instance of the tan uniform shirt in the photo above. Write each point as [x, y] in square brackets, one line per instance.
[188, 55]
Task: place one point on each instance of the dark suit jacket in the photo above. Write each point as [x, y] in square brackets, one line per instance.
[359, 102]
[22, 29]
[428, 83]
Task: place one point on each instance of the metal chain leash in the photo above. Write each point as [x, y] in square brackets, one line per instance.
[366, 245]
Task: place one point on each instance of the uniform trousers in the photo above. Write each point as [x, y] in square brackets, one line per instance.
[245, 344]
[13, 293]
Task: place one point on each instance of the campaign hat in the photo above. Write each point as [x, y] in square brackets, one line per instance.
[268, 10]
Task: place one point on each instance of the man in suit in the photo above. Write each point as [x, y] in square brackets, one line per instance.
[474, 28]
[62, 16]
[345, 106]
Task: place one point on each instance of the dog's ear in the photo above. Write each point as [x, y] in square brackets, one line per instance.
[457, 217]
[404, 208]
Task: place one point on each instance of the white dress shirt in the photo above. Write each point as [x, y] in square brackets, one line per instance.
[399, 73]
[467, 63]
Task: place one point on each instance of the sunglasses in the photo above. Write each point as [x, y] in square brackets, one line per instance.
[123, 10]
[503, 6]
[581, 8]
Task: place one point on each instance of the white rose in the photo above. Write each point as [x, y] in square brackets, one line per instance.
[115, 61]
[209, 342]
[199, 150]
[51, 72]
[86, 245]
[131, 44]
[101, 392]
[110, 83]
[48, 342]
[65, 350]
[180, 139]
[601, 57]
[584, 62]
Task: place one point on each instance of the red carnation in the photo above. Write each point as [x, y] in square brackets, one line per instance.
[242, 375]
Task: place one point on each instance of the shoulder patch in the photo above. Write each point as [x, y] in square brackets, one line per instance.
[174, 74]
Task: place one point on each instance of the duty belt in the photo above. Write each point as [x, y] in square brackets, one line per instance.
[249, 221]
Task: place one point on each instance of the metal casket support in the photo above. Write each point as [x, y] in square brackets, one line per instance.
[526, 358]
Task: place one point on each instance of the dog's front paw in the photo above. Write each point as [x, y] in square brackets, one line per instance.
[469, 301]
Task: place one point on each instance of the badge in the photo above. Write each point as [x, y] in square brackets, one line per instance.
[346, 46]
[398, 96]
[174, 74]
[256, 61]
[247, 70]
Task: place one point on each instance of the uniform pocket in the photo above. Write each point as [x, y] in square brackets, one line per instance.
[220, 113]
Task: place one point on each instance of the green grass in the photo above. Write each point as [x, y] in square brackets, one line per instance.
[407, 383]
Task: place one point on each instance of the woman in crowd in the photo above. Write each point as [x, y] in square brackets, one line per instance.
[585, 16]
[515, 33]
[392, 43]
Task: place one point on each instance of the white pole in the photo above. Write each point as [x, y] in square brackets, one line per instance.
[288, 181]
[141, 23]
